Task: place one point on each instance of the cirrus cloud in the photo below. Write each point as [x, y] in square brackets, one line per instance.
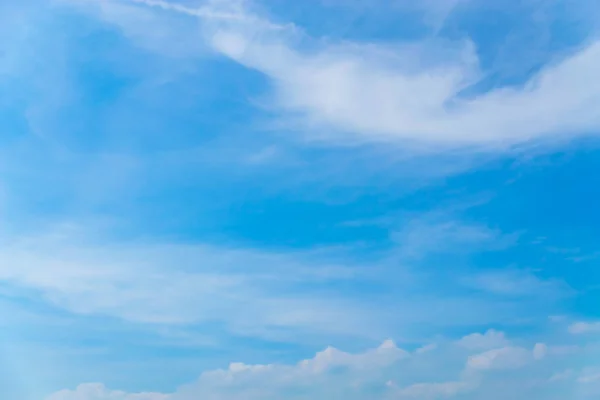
[412, 92]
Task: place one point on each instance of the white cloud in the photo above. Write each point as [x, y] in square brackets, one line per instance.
[251, 291]
[95, 391]
[539, 351]
[433, 233]
[579, 328]
[243, 381]
[516, 283]
[489, 340]
[385, 373]
[561, 376]
[407, 92]
[331, 372]
[588, 382]
[384, 355]
[433, 390]
[503, 358]
[410, 93]
[589, 378]
[426, 348]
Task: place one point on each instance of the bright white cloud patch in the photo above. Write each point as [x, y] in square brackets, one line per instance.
[387, 372]
[399, 93]
[409, 92]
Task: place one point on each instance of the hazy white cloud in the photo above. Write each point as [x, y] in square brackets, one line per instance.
[489, 340]
[410, 92]
[96, 391]
[385, 354]
[426, 348]
[516, 283]
[539, 351]
[589, 378]
[386, 372]
[578, 328]
[252, 291]
[502, 358]
[431, 233]
[243, 381]
[561, 376]
[432, 390]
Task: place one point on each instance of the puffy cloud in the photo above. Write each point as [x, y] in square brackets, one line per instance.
[489, 340]
[384, 355]
[330, 373]
[386, 372]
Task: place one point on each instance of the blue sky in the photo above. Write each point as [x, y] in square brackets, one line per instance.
[270, 199]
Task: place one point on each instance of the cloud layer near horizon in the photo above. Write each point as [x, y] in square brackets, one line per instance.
[474, 367]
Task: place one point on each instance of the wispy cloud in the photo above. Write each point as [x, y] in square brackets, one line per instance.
[500, 358]
[515, 283]
[441, 231]
[234, 236]
[177, 284]
[411, 92]
[264, 293]
[578, 328]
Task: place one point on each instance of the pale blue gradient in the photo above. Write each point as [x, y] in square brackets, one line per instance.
[176, 196]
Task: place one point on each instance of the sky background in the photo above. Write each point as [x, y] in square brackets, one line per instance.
[320, 199]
